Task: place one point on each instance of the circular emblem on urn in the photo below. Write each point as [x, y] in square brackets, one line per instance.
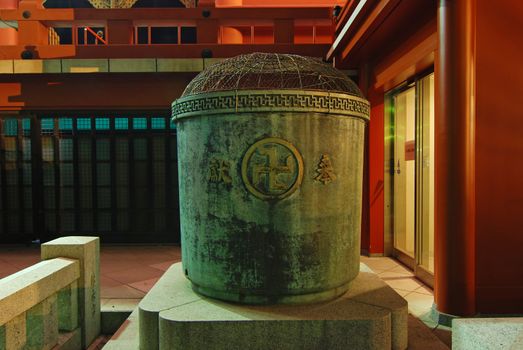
[272, 168]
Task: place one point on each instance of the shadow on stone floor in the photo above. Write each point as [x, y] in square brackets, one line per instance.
[422, 337]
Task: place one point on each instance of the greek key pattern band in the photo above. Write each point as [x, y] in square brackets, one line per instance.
[254, 101]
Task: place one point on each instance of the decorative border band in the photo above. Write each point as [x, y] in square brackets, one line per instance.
[270, 101]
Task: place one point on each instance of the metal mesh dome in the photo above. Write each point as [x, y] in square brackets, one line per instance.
[264, 71]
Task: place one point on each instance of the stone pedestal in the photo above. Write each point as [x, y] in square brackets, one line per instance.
[371, 315]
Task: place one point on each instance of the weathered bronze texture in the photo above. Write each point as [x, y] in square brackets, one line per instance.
[270, 178]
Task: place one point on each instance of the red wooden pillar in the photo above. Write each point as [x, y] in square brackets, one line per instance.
[372, 220]
[376, 204]
[455, 291]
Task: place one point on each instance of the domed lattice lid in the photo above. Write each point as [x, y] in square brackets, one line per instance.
[265, 71]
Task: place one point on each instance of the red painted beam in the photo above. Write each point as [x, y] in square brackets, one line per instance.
[214, 13]
[372, 21]
[384, 28]
[38, 15]
[87, 92]
[171, 14]
[349, 8]
[160, 51]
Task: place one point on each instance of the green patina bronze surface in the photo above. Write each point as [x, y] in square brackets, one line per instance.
[270, 193]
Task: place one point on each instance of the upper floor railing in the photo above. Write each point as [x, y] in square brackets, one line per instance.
[165, 32]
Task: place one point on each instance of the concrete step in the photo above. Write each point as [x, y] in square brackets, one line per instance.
[487, 333]
[127, 336]
[114, 312]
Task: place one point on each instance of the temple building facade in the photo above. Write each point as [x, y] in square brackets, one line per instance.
[88, 146]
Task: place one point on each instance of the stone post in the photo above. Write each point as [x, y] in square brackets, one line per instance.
[87, 251]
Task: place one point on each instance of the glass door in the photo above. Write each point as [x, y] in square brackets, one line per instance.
[425, 178]
[404, 103]
[410, 146]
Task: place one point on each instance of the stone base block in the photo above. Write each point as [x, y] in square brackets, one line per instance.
[487, 333]
[371, 315]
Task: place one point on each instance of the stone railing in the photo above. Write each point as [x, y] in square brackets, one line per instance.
[56, 301]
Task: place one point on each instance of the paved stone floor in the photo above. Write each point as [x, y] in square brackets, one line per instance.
[128, 272]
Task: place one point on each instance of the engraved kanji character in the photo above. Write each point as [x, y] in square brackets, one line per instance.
[325, 170]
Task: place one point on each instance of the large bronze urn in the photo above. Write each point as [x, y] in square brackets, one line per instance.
[270, 152]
